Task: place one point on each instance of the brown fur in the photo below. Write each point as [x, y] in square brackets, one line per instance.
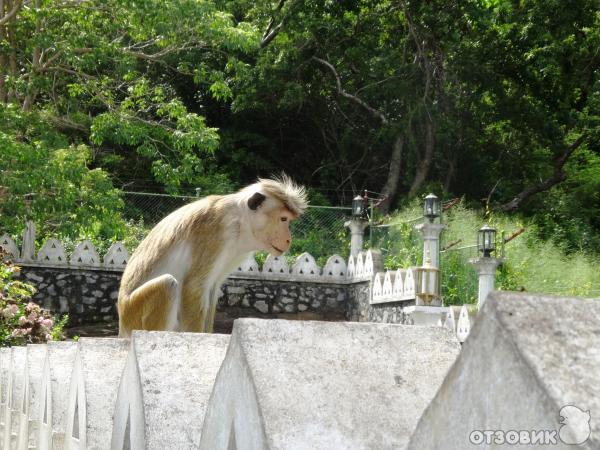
[210, 227]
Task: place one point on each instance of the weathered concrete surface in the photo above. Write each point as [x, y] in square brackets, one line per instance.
[313, 385]
[5, 368]
[29, 415]
[526, 357]
[164, 390]
[98, 366]
[56, 378]
[16, 385]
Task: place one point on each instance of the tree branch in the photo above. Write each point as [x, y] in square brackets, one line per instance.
[374, 112]
[13, 12]
[557, 177]
[272, 31]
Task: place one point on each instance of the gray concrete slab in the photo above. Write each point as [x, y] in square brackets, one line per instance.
[164, 390]
[54, 394]
[314, 385]
[527, 357]
[16, 385]
[98, 366]
[29, 415]
[5, 365]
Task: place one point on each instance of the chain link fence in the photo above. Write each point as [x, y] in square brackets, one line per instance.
[319, 231]
[401, 245]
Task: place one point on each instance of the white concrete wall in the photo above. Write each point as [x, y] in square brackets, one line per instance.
[316, 385]
[527, 356]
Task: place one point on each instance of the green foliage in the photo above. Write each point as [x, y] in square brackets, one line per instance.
[129, 77]
[52, 185]
[397, 239]
[170, 96]
[320, 233]
[531, 263]
[22, 321]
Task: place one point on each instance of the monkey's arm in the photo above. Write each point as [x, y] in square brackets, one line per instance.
[150, 305]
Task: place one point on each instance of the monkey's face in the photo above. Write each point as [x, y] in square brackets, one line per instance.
[271, 225]
[277, 234]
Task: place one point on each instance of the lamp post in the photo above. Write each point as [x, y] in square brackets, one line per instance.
[28, 246]
[357, 224]
[430, 230]
[486, 264]
[427, 283]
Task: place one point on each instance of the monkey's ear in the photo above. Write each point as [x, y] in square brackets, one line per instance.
[256, 200]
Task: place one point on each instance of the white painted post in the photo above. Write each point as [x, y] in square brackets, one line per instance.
[431, 240]
[486, 270]
[28, 249]
[357, 232]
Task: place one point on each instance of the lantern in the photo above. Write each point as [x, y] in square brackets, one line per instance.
[358, 207]
[431, 207]
[486, 240]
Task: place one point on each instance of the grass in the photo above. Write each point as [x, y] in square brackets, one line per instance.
[530, 263]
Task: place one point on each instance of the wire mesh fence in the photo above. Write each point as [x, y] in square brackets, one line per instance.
[459, 281]
[400, 243]
[319, 231]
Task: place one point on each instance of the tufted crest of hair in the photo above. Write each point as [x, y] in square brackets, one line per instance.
[285, 189]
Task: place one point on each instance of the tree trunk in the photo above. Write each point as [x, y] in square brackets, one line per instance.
[450, 174]
[35, 62]
[425, 162]
[391, 185]
[12, 55]
[557, 177]
[2, 57]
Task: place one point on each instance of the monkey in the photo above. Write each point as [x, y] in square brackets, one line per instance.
[173, 278]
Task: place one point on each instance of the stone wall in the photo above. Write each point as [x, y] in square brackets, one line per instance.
[90, 296]
[85, 285]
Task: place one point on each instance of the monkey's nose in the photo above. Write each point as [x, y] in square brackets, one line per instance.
[288, 241]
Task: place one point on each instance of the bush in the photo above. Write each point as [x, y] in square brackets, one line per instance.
[22, 321]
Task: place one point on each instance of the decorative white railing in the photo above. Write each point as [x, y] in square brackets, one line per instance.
[86, 256]
[394, 285]
[53, 254]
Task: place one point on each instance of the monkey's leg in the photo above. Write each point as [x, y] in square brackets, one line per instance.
[155, 302]
[209, 315]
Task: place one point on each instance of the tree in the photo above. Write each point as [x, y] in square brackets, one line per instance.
[109, 72]
[48, 181]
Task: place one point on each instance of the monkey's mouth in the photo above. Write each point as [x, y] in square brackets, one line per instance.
[279, 250]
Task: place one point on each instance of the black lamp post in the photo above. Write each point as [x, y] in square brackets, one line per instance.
[431, 207]
[486, 240]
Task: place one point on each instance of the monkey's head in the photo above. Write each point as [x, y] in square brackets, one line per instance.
[273, 204]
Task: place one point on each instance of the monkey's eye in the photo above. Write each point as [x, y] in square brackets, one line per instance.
[284, 219]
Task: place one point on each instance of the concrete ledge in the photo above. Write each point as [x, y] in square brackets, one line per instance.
[164, 389]
[95, 379]
[526, 357]
[301, 385]
[54, 393]
[29, 417]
